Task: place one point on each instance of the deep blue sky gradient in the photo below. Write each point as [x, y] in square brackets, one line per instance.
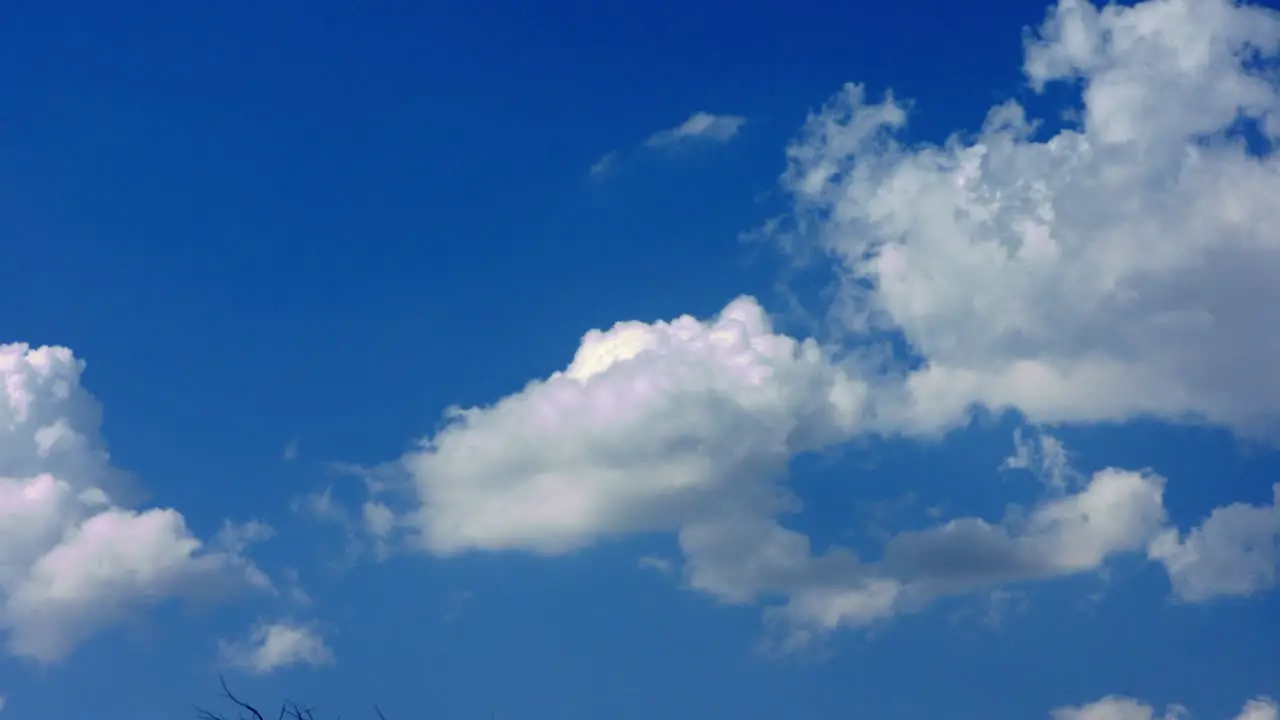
[261, 222]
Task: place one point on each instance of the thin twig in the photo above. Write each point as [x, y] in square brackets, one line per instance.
[227, 691]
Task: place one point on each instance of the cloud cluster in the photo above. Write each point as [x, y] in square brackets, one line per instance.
[688, 426]
[272, 646]
[73, 558]
[1125, 265]
[1117, 707]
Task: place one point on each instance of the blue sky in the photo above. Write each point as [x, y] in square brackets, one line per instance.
[947, 392]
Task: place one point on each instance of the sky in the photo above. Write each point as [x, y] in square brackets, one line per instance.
[597, 359]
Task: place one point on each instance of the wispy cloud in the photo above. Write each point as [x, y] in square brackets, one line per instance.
[290, 451]
[700, 127]
[605, 165]
[659, 565]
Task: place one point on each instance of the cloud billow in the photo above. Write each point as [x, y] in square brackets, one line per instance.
[1120, 268]
[1127, 265]
[73, 558]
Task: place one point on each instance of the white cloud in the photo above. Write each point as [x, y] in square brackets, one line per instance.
[701, 126]
[1118, 511]
[1126, 266]
[273, 646]
[1234, 552]
[650, 427]
[687, 427]
[1117, 707]
[2, 702]
[1045, 456]
[291, 451]
[72, 559]
[1260, 709]
[660, 565]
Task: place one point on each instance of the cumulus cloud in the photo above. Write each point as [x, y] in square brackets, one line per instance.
[73, 558]
[271, 646]
[687, 427]
[1124, 265]
[700, 127]
[647, 428]
[1117, 707]
[1234, 553]
[1116, 512]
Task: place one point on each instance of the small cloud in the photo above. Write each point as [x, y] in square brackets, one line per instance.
[701, 126]
[605, 165]
[273, 646]
[2, 701]
[290, 451]
[656, 564]
[236, 537]
[1045, 457]
[321, 506]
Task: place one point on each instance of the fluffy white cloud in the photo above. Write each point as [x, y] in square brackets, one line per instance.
[1126, 265]
[701, 127]
[271, 646]
[72, 558]
[1234, 552]
[687, 427]
[1117, 707]
[650, 427]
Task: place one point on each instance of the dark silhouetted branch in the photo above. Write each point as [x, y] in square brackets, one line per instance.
[288, 710]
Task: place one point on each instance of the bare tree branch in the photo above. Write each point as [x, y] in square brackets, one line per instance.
[227, 692]
[289, 710]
